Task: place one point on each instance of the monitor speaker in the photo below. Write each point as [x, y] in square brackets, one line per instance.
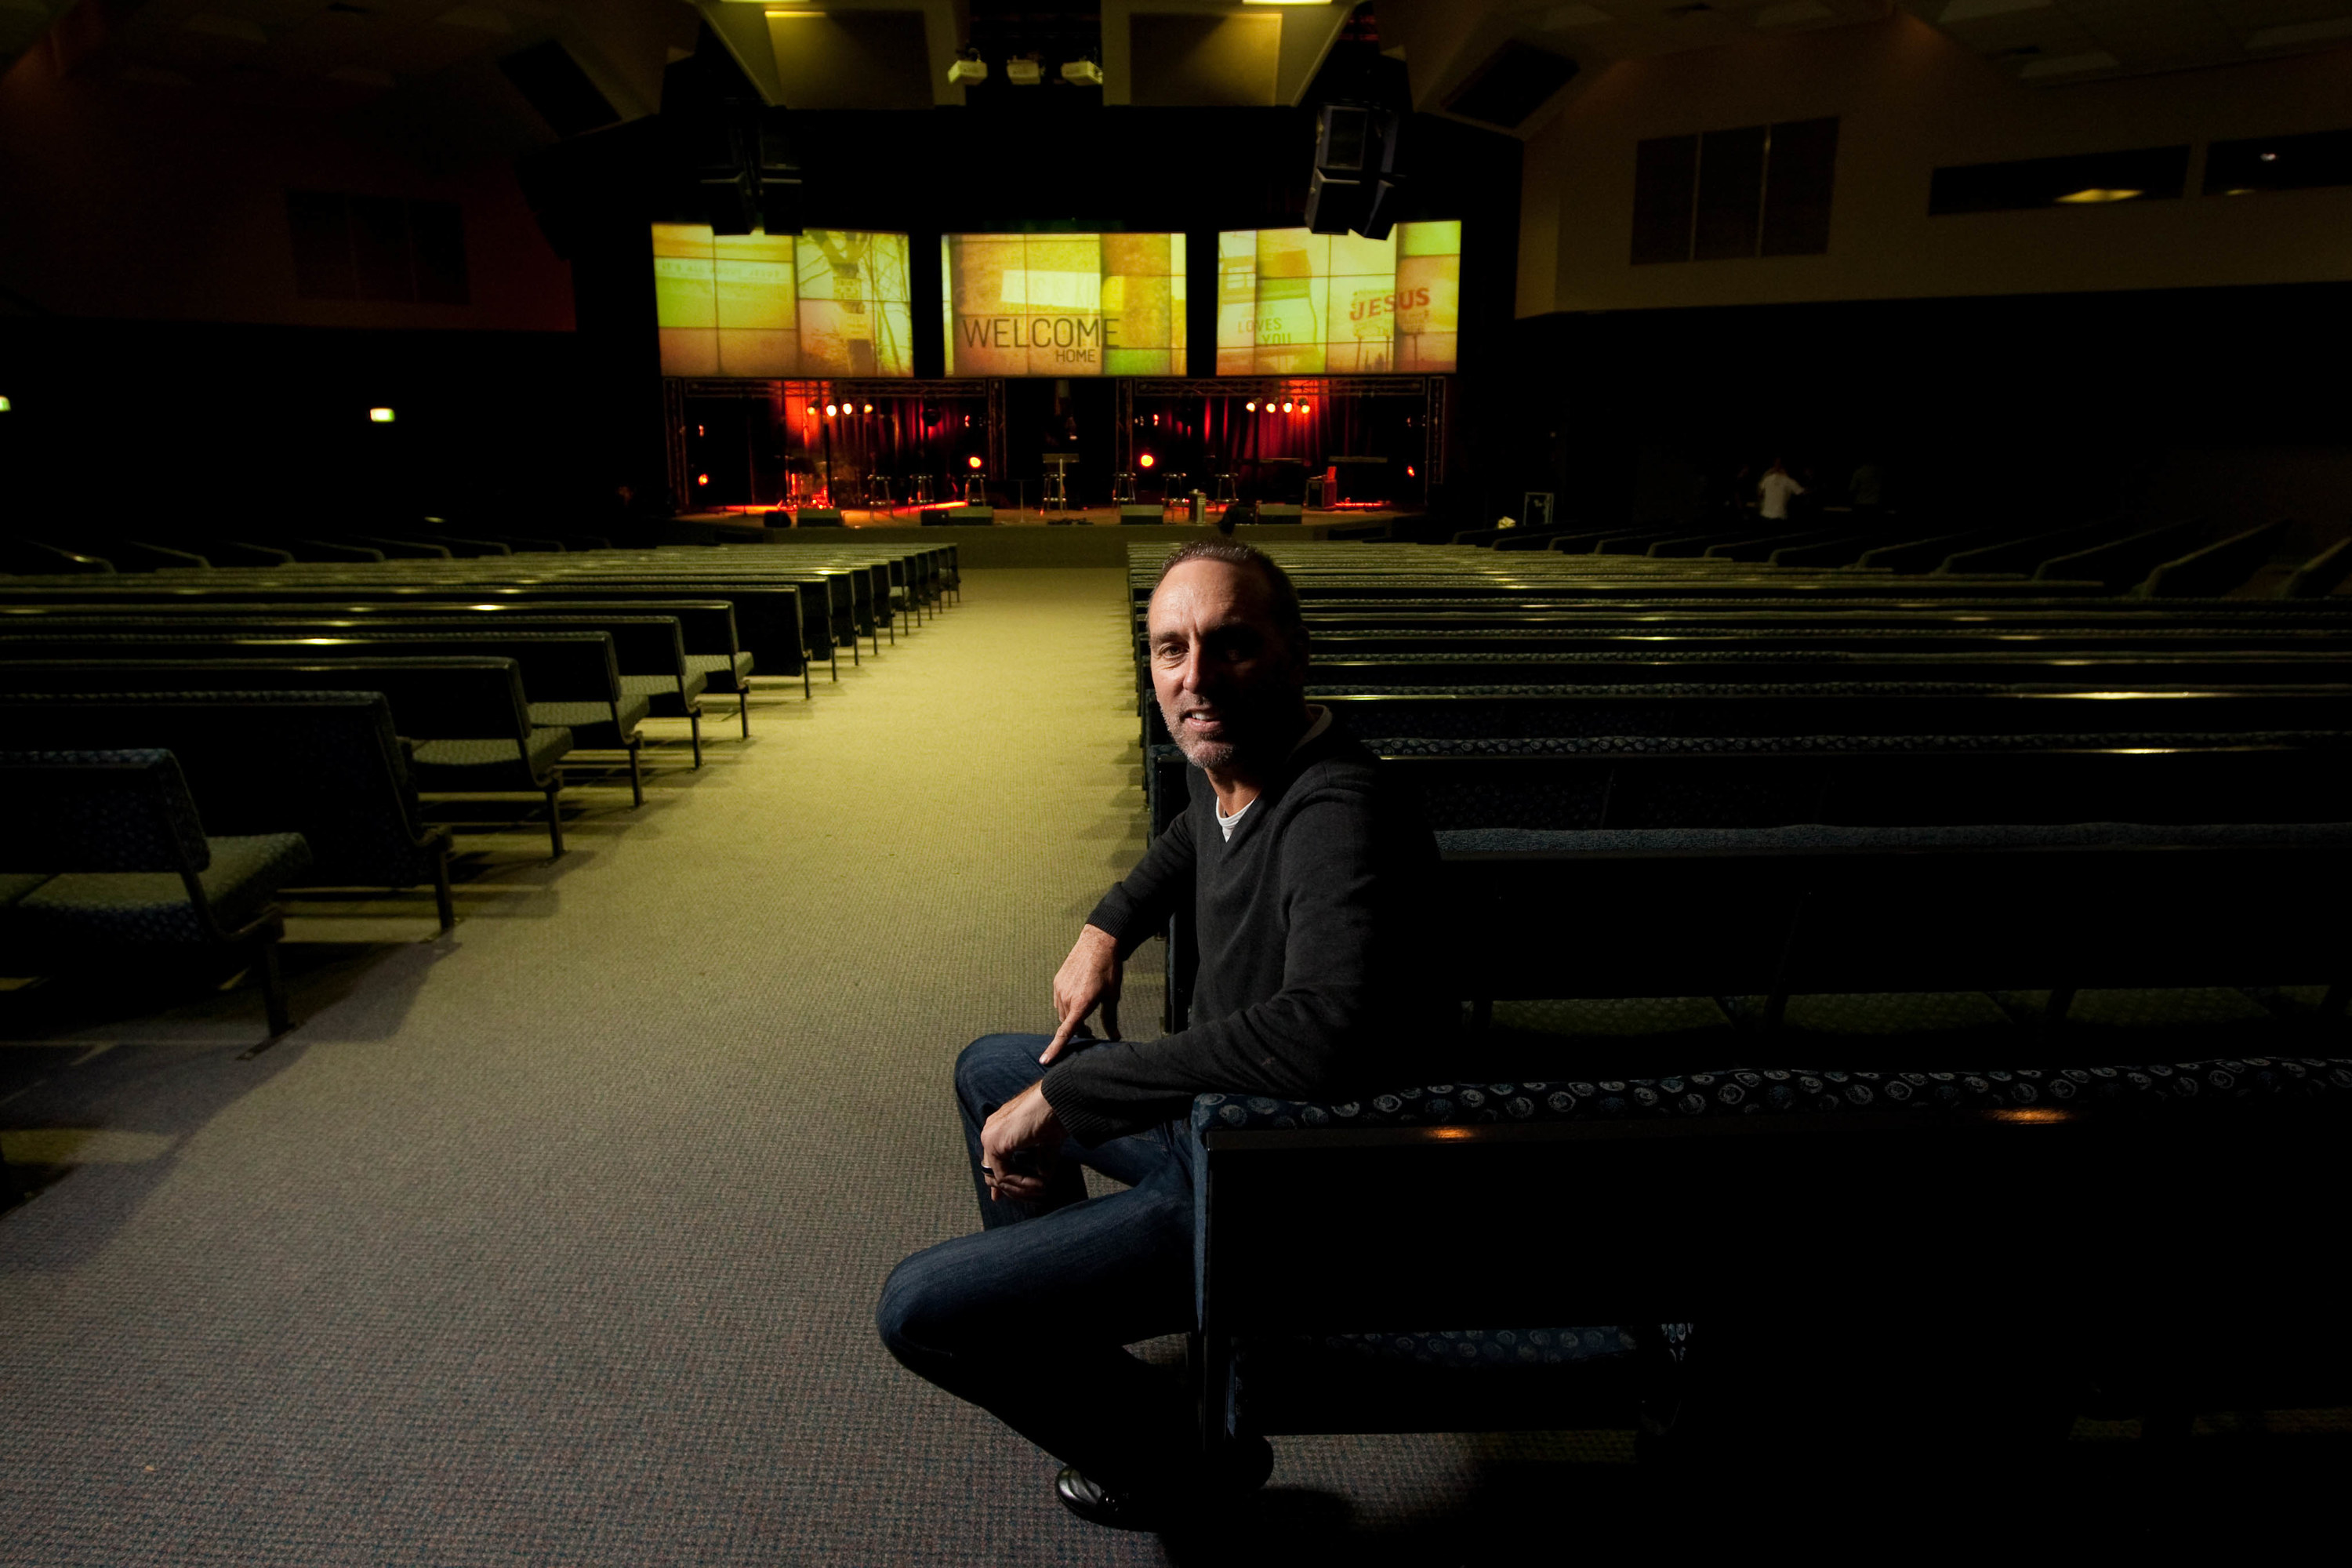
[1141, 514]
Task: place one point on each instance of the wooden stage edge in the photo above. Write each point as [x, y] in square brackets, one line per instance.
[1100, 540]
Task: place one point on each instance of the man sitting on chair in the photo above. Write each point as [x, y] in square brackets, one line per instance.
[1307, 875]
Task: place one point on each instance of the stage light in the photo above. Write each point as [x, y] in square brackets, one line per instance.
[867, 409]
[812, 409]
[1286, 408]
[1408, 470]
[1251, 405]
[975, 462]
[1304, 406]
[831, 409]
[1024, 73]
[1082, 73]
[702, 478]
[969, 69]
[380, 416]
[1146, 460]
[5, 406]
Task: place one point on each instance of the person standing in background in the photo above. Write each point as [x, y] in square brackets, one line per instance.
[1774, 489]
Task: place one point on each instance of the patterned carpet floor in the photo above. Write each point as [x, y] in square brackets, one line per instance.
[555, 1241]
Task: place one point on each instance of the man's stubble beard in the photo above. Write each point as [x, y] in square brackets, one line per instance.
[1222, 755]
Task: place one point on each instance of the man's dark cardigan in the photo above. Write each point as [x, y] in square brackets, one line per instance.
[1316, 977]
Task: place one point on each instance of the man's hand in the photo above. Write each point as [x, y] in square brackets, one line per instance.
[1088, 978]
[1024, 1122]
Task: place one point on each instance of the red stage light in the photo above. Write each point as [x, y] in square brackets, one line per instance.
[1408, 470]
[1146, 460]
[972, 461]
[812, 409]
[831, 409]
[702, 478]
[867, 409]
[1286, 408]
[1304, 406]
[1251, 405]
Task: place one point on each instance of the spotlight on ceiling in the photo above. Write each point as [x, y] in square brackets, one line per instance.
[971, 462]
[1024, 73]
[831, 409]
[969, 69]
[1251, 405]
[1082, 73]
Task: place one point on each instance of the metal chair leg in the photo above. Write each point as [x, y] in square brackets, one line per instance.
[694, 728]
[637, 780]
[273, 1000]
[273, 990]
[442, 904]
[554, 822]
[743, 708]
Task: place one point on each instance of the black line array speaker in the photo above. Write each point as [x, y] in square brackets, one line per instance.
[1359, 179]
[743, 161]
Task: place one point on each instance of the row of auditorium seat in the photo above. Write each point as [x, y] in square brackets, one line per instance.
[1740, 784]
[2193, 558]
[201, 712]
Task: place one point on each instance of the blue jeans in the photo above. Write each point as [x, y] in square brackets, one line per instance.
[1029, 1319]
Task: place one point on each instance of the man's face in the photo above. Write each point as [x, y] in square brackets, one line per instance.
[1230, 684]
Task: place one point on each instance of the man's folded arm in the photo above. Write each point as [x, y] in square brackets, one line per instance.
[1137, 908]
[1316, 1036]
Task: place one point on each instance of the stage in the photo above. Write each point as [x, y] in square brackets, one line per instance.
[1100, 540]
[1341, 518]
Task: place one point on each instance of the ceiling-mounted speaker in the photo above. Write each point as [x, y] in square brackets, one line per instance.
[1333, 207]
[778, 174]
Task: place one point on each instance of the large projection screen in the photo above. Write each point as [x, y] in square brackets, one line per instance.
[1293, 303]
[825, 303]
[1063, 304]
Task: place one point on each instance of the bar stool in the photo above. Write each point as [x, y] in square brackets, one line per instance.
[1220, 488]
[922, 489]
[1122, 487]
[1056, 491]
[877, 493]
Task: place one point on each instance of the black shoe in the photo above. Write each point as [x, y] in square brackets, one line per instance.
[1115, 1510]
[1238, 1470]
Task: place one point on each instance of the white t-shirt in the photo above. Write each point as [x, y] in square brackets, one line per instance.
[1776, 488]
[1322, 723]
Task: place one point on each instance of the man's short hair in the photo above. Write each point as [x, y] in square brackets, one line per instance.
[1281, 593]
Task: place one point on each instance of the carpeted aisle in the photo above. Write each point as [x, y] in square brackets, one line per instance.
[556, 1241]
